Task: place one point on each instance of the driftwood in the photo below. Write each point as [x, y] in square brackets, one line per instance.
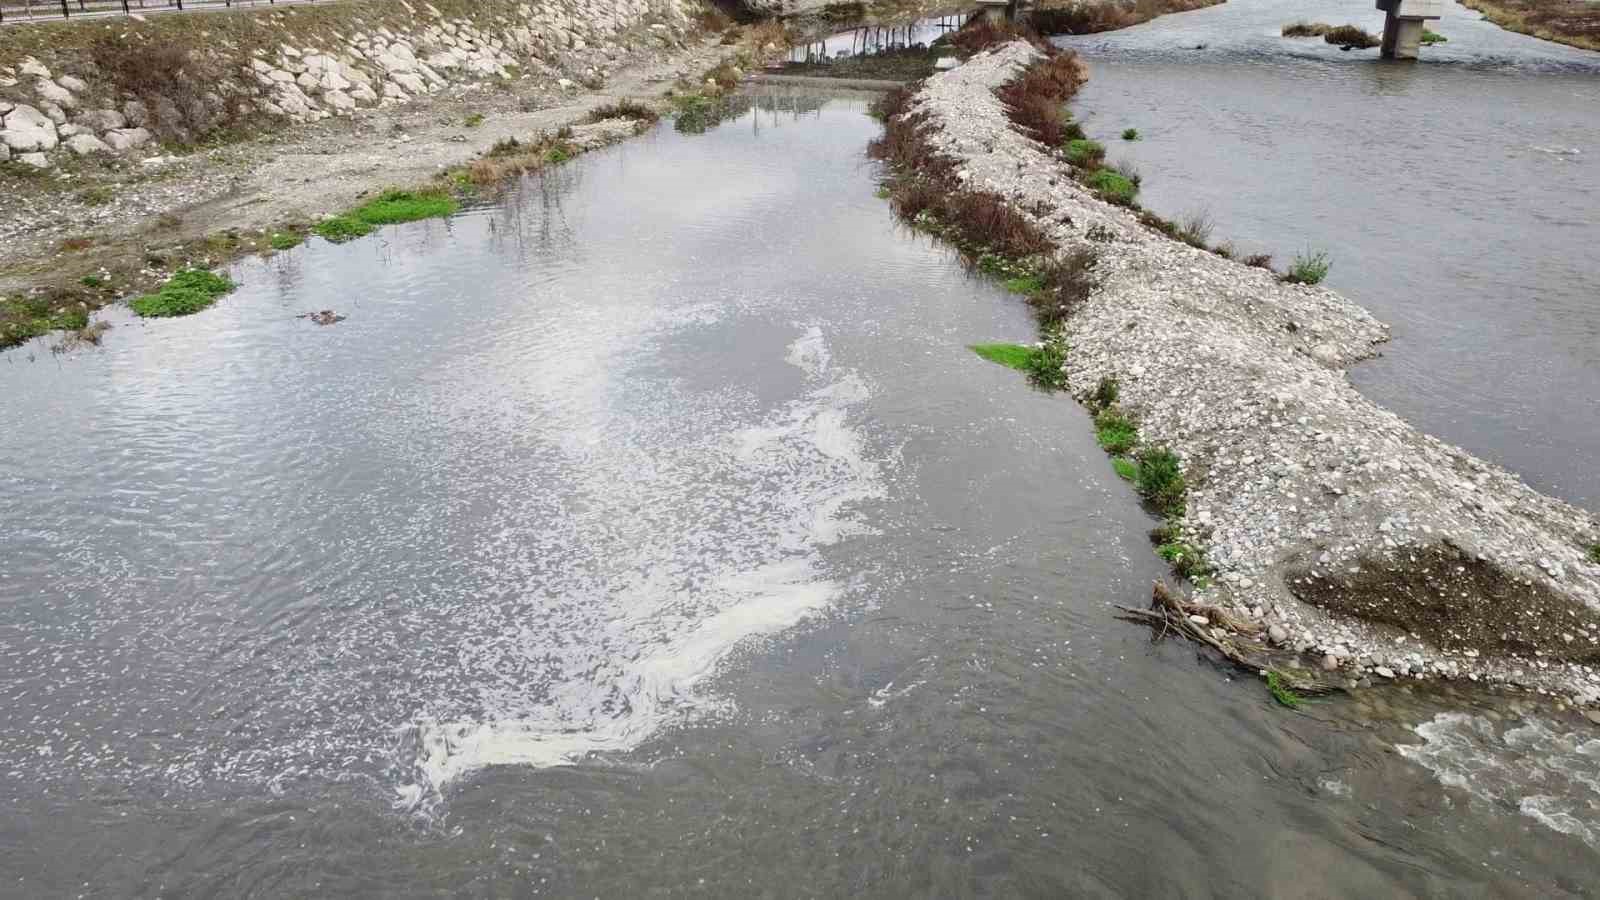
[1169, 613]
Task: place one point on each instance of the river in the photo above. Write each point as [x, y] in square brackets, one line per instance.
[1458, 198]
[650, 531]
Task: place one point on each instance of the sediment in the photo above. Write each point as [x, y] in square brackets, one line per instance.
[1331, 524]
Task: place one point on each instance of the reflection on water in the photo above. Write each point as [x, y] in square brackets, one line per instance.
[649, 530]
[1456, 197]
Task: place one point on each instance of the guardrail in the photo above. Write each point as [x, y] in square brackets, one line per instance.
[14, 12]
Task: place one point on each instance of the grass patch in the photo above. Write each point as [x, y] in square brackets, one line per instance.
[1594, 554]
[1351, 36]
[1161, 479]
[1126, 469]
[1112, 187]
[1433, 37]
[1085, 152]
[1306, 29]
[1259, 260]
[285, 240]
[1115, 432]
[473, 120]
[185, 293]
[1106, 392]
[1130, 134]
[1279, 688]
[1025, 284]
[1186, 560]
[389, 208]
[1195, 229]
[1308, 268]
[1012, 356]
[99, 195]
[1045, 366]
[92, 281]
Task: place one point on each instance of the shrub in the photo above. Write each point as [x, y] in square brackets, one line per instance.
[1195, 230]
[1045, 366]
[1594, 553]
[473, 120]
[1186, 560]
[1112, 186]
[1036, 99]
[1432, 37]
[1259, 260]
[1306, 29]
[1085, 153]
[1126, 469]
[185, 293]
[1308, 268]
[1114, 431]
[1161, 479]
[623, 109]
[1351, 36]
[1068, 280]
[1130, 134]
[169, 79]
[1105, 392]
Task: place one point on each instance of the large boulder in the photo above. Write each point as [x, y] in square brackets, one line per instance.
[28, 130]
[54, 93]
[127, 138]
[86, 144]
[75, 85]
[101, 119]
[32, 67]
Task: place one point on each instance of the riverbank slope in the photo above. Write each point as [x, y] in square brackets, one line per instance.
[1329, 522]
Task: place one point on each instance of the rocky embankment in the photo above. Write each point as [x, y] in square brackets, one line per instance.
[1338, 528]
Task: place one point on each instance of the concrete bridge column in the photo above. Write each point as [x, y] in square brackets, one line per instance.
[1403, 23]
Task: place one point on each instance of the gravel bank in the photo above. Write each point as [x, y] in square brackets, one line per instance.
[1382, 551]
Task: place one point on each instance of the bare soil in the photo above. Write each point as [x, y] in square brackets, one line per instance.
[1572, 22]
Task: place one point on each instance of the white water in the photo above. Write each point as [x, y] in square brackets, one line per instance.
[630, 657]
[1534, 768]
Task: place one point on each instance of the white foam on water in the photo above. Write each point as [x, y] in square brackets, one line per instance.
[1553, 777]
[600, 655]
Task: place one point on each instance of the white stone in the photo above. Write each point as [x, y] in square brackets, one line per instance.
[37, 160]
[102, 119]
[85, 144]
[411, 82]
[54, 113]
[363, 94]
[75, 85]
[55, 93]
[339, 100]
[137, 114]
[127, 138]
[1385, 671]
[28, 130]
[32, 68]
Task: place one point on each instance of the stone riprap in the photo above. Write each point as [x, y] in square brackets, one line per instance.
[1339, 528]
[46, 115]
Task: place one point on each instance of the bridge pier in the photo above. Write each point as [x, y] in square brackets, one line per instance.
[1403, 23]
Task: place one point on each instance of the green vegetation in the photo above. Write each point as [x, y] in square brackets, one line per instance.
[1112, 186]
[24, 318]
[1126, 469]
[92, 281]
[390, 207]
[1032, 283]
[1161, 480]
[1114, 431]
[1014, 356]
[1433, 37]
[1084, 152]
[1042, 364]
[473, 120]
[1594, 554]
[185, 293]
[1130, 134]
[285, 240]
[1308, 268]
[99, 195]
[1278, 686]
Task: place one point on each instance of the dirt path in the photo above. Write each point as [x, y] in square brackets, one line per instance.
[299, 174]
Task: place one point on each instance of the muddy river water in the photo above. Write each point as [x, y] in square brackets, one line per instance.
[651, 532]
